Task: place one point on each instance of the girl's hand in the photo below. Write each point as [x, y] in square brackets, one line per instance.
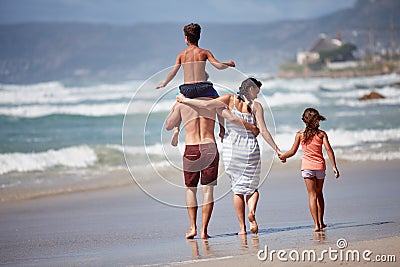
[180, 98]
[336, 172]
[281, 156]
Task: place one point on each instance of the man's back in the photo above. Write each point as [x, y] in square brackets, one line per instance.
[199, 124]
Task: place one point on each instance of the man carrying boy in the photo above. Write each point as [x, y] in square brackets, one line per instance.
[193, 59]
[201, 157]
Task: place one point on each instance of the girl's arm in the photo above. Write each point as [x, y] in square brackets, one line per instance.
[293, 150]
[259, 115]
[220, 102]
[330, 153]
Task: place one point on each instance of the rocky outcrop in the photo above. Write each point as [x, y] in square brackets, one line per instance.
[372, 95]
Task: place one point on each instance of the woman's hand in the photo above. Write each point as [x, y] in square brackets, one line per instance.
[180, 98]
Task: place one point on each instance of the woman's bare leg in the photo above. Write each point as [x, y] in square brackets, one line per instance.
[252, 201]
[238, 203]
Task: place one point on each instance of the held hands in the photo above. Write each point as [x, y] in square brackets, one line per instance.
[281, 156]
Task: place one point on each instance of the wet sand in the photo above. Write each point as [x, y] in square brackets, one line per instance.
[125, 227]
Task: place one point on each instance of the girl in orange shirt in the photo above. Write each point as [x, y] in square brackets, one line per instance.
[313, 162]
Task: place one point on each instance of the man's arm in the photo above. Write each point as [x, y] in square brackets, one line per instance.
[174, 118]
[217, 64]
[172, 73]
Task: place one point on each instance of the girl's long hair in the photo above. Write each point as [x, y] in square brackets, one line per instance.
[311, 118]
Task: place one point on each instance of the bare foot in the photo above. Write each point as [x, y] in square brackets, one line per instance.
[175, 137]
[317, 229]
[322, 226]
[205, 236]
[242, 232]
[253, 223]
[191, 234]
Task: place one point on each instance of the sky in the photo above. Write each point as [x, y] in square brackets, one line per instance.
[127, 12]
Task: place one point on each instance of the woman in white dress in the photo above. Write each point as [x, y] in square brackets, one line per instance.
[241, 152]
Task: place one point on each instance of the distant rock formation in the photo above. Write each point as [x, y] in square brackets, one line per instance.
[372, 95]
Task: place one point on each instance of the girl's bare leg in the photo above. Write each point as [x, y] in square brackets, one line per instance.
[238, 203]
[312, 199]
[320, 203]
[252, 201]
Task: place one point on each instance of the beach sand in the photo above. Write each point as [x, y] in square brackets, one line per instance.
[123, 226]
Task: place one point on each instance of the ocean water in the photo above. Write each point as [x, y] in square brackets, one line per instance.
[56, 138]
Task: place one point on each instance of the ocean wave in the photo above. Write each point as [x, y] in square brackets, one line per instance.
[330, 84]
[91, 110]
[57, 93]
[284, 99]
[76, 157]
[341, 137]
[367, 155]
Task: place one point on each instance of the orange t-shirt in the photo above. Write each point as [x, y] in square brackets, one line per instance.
[313, 159]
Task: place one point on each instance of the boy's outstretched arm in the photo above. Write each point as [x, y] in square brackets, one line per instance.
[171, 74]
[330, 153]
[217, 64]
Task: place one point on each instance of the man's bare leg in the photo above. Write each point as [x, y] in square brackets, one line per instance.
[252, 201]
[191, 203]
[238, 203]
[208, 205]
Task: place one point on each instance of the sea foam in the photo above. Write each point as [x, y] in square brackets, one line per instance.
[76, 156]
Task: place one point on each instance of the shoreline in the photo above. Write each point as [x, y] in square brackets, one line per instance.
[123, 226]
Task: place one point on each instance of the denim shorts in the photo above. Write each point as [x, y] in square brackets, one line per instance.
[319, 174]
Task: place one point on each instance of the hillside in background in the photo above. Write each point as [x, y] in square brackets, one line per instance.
[38, 52]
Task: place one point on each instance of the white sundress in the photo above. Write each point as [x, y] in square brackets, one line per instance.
[241, 155]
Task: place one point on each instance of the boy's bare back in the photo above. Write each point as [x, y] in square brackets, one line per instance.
[193, 59]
